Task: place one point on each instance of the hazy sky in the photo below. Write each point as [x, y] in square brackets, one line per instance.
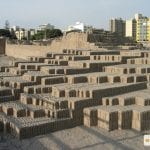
[61, 13]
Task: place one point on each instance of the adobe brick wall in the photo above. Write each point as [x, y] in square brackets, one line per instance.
[2, 46]
[69, 41]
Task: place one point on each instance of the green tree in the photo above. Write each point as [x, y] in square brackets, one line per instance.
[47, 34]
[13, 35]
[38, 36]
[6, 33]
[53, 33]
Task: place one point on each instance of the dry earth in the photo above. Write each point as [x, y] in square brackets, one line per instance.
[79, 138]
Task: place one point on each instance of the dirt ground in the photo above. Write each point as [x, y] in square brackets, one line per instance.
[79, 138]
[4, 60]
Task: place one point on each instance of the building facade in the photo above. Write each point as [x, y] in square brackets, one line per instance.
[45, 27]
[118, 26]
[80, 26]
[138, 28]
[131, 28]
[143, 28]
[24, 34]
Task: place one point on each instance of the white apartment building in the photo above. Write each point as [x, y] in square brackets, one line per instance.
[79, 26]
[22, 34]
[131, 28]
[45, 27]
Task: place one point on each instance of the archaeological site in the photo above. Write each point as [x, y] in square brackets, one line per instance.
[74, 86]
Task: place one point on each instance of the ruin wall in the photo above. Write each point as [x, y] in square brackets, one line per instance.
[72, 40]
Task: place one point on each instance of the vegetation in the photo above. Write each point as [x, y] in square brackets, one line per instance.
[6, 33]
[110, 38]
[47, 34]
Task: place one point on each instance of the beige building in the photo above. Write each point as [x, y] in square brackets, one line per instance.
[131, 28]
[25, 34]
[22, 34]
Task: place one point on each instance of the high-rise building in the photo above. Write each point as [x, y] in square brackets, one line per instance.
[118, 26]
[138, 28]
[143, 28]
[148, 28]
[131, 28]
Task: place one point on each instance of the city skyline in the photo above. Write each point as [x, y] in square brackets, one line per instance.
[30, 14]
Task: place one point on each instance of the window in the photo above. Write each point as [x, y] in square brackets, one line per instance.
[87, 94]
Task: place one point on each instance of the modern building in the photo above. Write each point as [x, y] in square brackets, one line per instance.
[15, 28]
[117, 25]
[45, 27]
[143, 28]
[138, 28]
[19, 34]
[32, 32]
[80, 26]
[148, 28]
[131, 28]
[22, 34]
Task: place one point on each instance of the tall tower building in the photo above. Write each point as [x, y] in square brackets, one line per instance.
[131, 28]
[148, 28]
[118, 26]
[143, 28]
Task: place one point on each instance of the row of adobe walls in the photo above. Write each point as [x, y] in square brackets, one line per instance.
[74, 40]
[2, 46]
[23, 51]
